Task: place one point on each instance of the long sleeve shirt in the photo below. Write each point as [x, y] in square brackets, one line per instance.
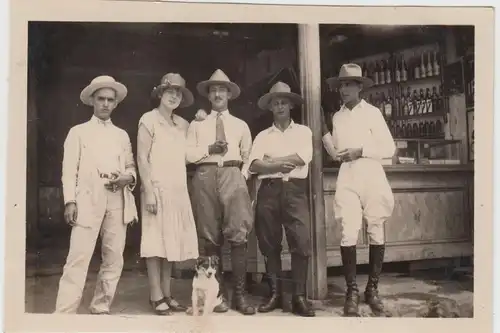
[362, 127]
[201, 134]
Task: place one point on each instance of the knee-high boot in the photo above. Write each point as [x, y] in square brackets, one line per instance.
[239, 263]
[300, 305]
[274, 274]
[351, 304]
[371, 292]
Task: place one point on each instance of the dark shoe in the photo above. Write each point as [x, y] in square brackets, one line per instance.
[300, 305]
[275, 300]
[371, 292]
[351, 305]
[238, 260]
[156, 304]
[174, 305]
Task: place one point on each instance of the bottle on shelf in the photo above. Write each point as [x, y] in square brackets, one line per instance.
[416, 70]
[432, 129]
[404, 70]
[436, 64]
[381, 75]
[409, 102]
[435, 99]
[397, 74]
[430, 71]
[415, 103]
[376, 72]
[414, 130]
[423, 102]
[423, 70]
[388, 107]
[428, 99]
[439, 128]
[398, 129]
[426, 128]
[421, 130]
[365, 70]
[388, 72]
[397, 109]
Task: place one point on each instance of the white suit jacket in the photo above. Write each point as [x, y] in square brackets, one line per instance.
[80, 176]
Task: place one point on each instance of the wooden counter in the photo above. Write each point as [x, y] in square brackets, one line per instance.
[432, 218]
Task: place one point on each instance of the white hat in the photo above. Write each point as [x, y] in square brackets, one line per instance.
[103, 81]
[218, 77]
[350, 72]
[279, 89]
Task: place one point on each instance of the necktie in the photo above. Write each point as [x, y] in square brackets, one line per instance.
[220, 135]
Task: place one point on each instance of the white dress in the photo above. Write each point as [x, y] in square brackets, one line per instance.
[171, 233]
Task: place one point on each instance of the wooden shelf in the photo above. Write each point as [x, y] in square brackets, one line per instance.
[421, 116]
[425, 79]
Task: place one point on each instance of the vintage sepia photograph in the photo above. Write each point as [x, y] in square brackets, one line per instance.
[201, 170]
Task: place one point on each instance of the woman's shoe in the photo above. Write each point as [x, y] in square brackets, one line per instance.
[174, 305]
[156, 304]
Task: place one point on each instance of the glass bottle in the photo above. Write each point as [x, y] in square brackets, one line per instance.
[423, 71]
[382, 73]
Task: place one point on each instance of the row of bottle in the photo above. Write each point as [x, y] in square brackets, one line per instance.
[381, 72]
[416, 129]
[408, 104]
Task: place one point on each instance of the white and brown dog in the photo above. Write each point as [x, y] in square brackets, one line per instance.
[205, 285]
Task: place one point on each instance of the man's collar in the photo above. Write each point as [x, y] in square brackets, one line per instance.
[360, 104]
[274, 128]
[222, 113]
[101, 122]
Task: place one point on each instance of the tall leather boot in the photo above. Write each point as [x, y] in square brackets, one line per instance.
[300, 305]
[222, 306]
[273, 268]
[371, 292]
[351, 305]
[239, 263]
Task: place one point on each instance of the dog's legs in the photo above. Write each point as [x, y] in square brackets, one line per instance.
[210, 302]
[194, 302]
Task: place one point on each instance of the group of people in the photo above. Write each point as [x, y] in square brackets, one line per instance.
[99, 174]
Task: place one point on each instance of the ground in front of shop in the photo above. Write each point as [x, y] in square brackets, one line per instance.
[405, 295]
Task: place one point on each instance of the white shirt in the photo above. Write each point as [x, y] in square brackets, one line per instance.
[201, 134]
[295, 139]
[362, 127]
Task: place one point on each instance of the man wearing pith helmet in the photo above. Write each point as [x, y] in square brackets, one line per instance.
[220, 145]
[280, 157]
[360, 139]
[98, 175]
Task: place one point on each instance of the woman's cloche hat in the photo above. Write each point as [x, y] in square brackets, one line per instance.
[174, 80]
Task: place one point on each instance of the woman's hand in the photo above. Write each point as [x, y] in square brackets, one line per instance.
[151, 204]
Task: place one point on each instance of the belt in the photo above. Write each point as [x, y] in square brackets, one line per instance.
[226, 164]
[279, 179]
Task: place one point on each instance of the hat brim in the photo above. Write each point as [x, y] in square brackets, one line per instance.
[203, 86]
[88, 91]
[334, 82]
[264, 101]
[187, 95]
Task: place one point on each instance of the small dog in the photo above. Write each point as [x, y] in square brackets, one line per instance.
[205, 285]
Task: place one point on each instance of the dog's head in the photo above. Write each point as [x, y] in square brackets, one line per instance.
[206, 266]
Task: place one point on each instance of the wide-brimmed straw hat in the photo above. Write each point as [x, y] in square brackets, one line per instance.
[100, 82]
[220, 78]
[279, 89]
[174, 80]
[350, 72]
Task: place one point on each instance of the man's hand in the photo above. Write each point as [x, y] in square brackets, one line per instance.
[351, 154]
[219, 147]
[150, 201]
[284, 167]
[70, 213]
[119, 181]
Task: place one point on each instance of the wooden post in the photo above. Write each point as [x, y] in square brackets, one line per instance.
[310, 83]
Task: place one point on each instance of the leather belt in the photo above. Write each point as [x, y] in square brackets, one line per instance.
[226, 164]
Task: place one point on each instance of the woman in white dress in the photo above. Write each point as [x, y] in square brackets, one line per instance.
[168, 227]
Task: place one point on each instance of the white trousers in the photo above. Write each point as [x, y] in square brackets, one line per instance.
[113, 233]
[362, 192]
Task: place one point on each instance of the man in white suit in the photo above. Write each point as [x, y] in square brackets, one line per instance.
[98, 176]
